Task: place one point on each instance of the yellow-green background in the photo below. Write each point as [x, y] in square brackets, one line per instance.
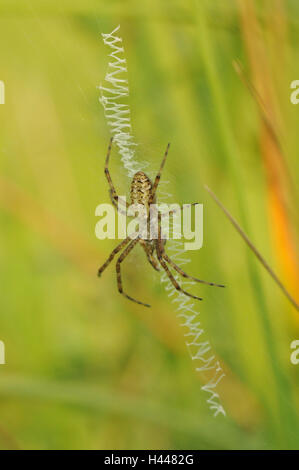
[85, 367]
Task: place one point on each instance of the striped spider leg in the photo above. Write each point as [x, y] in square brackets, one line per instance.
[130, 245]
[164, 259]
[112, 192]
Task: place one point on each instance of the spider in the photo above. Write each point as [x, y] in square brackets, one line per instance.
[143, 191]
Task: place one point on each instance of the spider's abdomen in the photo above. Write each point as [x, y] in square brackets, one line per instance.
[141, 189]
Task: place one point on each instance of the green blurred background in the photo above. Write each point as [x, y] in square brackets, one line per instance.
[87, 369]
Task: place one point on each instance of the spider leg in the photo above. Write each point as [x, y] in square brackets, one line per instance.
[118, 272]
[160, 249]
[157, 179]
[182, 273]
[115, 200]
[173, 280]
[149, 255]
[175, 266]
[176, 210]
[112, 254]
[106, 169]
[112, 191]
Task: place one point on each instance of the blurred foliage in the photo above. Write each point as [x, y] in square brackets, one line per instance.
[85, 367]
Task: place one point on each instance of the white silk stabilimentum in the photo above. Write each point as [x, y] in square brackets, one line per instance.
[117, 113]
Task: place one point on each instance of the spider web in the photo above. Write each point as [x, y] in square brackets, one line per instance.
[117, 112]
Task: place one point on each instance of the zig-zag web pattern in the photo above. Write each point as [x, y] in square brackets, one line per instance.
[117, 113]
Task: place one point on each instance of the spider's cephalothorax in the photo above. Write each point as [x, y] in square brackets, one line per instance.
[143, 191]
